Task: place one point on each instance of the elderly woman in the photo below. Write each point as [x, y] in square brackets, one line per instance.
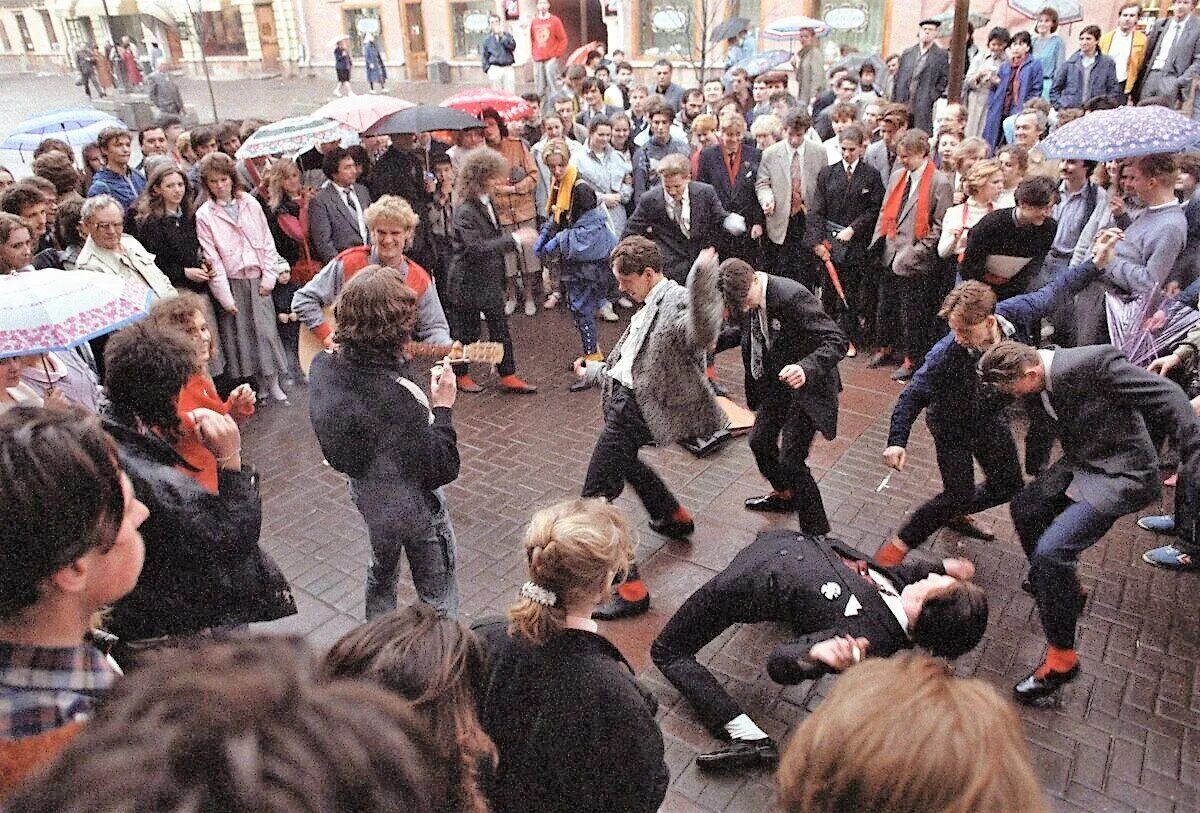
[477, 265]
[110, 250]
[578, 231]
[573, 728]
[237, 242]
[982, 184]
[396, 444]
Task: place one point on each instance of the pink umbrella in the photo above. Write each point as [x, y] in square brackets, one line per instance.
[362, 111]
[510, 106]
[579, 55]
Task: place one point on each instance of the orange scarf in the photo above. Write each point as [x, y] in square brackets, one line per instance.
[890, 218]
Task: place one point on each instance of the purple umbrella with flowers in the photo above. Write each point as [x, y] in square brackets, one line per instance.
[1126, 132]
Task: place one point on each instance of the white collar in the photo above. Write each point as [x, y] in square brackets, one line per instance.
[1047, 357]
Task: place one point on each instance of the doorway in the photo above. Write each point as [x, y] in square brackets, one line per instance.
[268, 37]
[583, 21]
[416, 54]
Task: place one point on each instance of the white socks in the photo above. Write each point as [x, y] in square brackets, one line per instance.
[743, 728]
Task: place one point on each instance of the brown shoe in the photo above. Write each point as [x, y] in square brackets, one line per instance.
[880, 358]
[511, 383]
[467, 384]
[967, 525]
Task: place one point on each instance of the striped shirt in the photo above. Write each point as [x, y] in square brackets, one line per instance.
[43, 688]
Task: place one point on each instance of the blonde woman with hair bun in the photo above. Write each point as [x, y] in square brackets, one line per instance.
[573, 729]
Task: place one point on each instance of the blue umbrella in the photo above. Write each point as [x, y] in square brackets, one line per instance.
[1126, 132]
[761, 63]
[77, 126]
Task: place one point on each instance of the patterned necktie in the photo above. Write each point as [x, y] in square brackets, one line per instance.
[758, 344]
[797, 187]
[678, 206]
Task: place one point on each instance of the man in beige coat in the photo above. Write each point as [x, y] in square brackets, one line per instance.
[784, 196]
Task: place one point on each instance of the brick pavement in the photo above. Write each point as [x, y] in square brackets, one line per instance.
[1126, 736]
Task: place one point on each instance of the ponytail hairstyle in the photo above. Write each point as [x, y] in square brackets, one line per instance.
[573, 550]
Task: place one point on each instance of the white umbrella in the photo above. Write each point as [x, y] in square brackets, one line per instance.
[293, 135]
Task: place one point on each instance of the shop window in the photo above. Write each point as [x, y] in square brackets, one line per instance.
[221, 32]
[666, 28]
[469, 22]
[51, 36]
[23, 28]
[360, 22]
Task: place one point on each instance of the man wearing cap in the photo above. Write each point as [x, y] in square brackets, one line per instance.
[923, 75]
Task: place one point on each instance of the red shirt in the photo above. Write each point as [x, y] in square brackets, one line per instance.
[547, 37]
[196, 393]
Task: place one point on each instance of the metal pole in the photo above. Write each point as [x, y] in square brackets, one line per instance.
[958, 51]
[583, 28]
[212, 98]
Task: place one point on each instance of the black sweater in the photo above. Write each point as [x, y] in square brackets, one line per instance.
[999, 235]
[172, 241]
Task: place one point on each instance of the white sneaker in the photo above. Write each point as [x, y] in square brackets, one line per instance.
[551, 301]
[510, 307]
[530, 308]
[625, 302]
[607, 313]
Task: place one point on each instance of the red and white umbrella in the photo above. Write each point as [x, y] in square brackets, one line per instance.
[362, 111]
[509, 105]
[579, 55]
[47, 310]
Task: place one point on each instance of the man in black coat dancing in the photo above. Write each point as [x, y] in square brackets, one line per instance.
[841, 606]
[790, 351]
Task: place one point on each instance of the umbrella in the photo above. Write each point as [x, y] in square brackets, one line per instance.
[758, 64]
[788, 29]
[853, 62]
[77, 126]
[975, 18]
[509, 105]
[293, 135]
[423, 119]
[1069, 11]
[47, 310]
[361, 111]
[1145, 326]
[836, 280]
[729, 29]
[579, 55]
[1126, 132]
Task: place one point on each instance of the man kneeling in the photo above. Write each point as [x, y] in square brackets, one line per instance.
[840, 605]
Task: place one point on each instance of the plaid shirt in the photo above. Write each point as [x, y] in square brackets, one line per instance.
[43, 688]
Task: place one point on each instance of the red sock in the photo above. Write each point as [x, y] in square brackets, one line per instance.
[1057, 660]
[633, 590]
[681, 514]
[889, 555]
[711, 372]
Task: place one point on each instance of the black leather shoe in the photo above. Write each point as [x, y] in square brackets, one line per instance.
[580, 385]
[968, 526]
[672, 529]
[717, 390]
[618, 607]
[741, 754]
[1034, 688]
[771, 502]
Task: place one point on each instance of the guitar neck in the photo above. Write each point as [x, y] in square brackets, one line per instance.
[423, 350]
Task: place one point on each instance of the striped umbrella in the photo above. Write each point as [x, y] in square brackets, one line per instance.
[293, 135]
[788, 29]
[47, 310]
[510, 106]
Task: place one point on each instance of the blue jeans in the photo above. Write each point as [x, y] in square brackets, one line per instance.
[431, 558]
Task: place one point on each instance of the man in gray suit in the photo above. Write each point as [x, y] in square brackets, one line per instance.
[1173, 55]
[787, 177]
[881, 154]
[906, 236]
[337, 218]
[654, 392]
[1109, 416]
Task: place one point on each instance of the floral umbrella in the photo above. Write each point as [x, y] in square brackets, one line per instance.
[509, 105]
[1125, 132]
[293, 135]
[47, 310]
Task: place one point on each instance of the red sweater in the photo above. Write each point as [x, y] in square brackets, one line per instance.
[200, 392]
[547, 37]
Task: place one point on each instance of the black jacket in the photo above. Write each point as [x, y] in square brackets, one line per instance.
[203, 565]
[853, 202]
[371, 428]
[705, 227]
[172, 241]
[575, 732]
[477, 258]
[738, 196]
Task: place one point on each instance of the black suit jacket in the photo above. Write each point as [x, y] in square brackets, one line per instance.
[855, 203]
[791, 578]
[738, 196]
[650, 219]
[332, 225]
[799, 332]
[477, 257]
[930, 85]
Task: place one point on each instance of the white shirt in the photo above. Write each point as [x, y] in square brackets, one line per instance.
[1047, 357]
[891, 597]
[1165, 44]
[639, 326]
[833, 150]
[1120, 49]
[685, 214]
[350, 198]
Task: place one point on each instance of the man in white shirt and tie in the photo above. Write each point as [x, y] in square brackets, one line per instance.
[1174, 54]
[787, 176]
[336, 215]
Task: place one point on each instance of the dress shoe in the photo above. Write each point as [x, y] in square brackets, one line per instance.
[880, 358]
[967, 525]
[510, 383]
[740, 754]
[779, 502]
[619, 607]
[1034, 688]
[717, 390]
[903, 372]
[467, 384]
[673, 529]
[580, 384]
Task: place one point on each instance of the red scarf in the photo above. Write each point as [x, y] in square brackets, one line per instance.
[891, 208]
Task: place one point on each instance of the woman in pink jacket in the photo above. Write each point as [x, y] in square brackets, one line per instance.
[236, 240]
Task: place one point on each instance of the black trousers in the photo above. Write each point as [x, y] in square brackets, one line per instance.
[780, 440]
[850, 315]
[467, 317]
[904, 315]
[992, 445]
[793, 259]
[615, 460]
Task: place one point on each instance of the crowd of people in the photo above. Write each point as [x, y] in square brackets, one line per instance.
[799, 217]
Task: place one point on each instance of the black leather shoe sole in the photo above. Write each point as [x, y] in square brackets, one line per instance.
[741, 754]
[772, 504]
[580, 386]
[673, 530]
[1034, 688]
[621, 608]
[964, 527]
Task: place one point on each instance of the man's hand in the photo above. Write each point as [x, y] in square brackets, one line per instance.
[756, 231]
[959, 568]
[793, 376]
[1105, 245]
[1164, 365]
[231, 310]
[580, 367]
[894, 457]
[220, 435]
[846, 235]
[769, 208]
[822, 252]
[841, 652]
[707, 255]
[443, 385]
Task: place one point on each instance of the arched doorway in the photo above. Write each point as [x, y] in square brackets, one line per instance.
[582, 19]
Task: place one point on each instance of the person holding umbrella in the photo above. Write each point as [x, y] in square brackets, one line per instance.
[341, 64]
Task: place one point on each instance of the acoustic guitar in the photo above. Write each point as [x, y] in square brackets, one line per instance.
[481, 352]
